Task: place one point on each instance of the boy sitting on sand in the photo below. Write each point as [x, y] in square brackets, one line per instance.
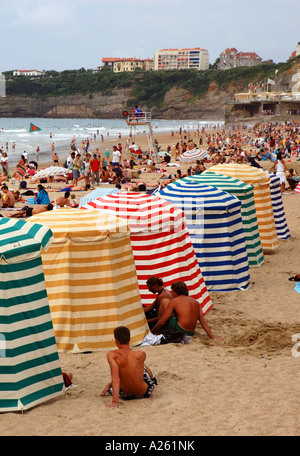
[131, 379]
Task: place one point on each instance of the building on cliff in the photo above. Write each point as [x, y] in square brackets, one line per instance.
[232, 58]
[180, 59]
[274, 104]
[296, 52]
[31, 73]
[119, 65]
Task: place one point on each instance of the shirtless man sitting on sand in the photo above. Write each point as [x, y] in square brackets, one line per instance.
[63, 201]
[131, 379]
[182, 313]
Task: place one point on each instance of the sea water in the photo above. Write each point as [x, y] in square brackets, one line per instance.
[62, 131]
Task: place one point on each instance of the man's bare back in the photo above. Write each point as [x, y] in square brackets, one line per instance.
[130, 377]
[187, 310]
[131, 368]
[182, 313]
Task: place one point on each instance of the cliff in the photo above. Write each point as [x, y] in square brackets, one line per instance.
[200, 95]
[178, 104]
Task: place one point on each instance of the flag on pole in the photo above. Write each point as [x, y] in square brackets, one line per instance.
[33, 128]
[270, 81]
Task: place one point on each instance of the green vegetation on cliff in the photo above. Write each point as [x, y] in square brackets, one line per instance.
[148, 88]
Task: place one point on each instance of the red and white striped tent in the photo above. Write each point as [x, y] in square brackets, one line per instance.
[297, 189]
[160, 241]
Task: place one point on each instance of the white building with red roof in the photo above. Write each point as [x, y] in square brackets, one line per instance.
[31, 73]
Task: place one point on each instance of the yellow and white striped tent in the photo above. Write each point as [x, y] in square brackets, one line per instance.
[262, 198]
[91, 279]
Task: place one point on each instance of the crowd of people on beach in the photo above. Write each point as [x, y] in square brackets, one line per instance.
[173, 313]
[86, 169]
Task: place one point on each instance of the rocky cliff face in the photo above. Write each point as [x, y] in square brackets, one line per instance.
[79, 106]
[178, 104]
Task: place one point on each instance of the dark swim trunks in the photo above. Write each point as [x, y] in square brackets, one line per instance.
[151, 383]
[173, 323]
[28, 210]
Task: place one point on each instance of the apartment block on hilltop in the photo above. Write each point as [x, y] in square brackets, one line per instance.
[180, 59]
[119, 65]
[232, 58]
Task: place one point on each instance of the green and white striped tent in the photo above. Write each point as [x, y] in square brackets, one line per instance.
[30, 371]
[245, 193]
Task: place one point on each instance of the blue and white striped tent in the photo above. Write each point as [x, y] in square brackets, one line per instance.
[244, 192]
[215, 225]
[97, 193]
[281, 225]
[30, 371]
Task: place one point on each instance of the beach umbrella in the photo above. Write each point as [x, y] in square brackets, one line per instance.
[97, 193]
[282, 228]
[90, 279]
[51, 171]
[30, 371]
[215, 225]
[245, 193]
[160, 242]
[262, 198]
[194, 154]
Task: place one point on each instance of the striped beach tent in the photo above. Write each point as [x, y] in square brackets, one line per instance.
[297, 189]
[91, 279]
[262, 198]
[160, 242]
[215, 225]
[193, 155]
[30, 371]
[282, 228]
[244, 192]
[97, 193]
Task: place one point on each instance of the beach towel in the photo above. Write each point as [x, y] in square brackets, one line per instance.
[297, 287]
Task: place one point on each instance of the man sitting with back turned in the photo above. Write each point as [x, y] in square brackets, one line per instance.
[130, 378]
[182, 313]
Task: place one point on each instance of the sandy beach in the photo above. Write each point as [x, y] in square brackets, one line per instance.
[245, 385]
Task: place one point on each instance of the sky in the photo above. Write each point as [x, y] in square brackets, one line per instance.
[72, 34]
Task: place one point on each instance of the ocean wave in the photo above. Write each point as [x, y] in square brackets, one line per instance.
[22, 130]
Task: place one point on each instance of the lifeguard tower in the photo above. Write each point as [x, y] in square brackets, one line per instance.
[136, 118]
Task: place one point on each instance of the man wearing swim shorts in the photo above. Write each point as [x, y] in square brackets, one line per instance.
[130, 377]
[183, 313]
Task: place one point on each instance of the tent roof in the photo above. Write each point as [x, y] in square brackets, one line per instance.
[246, 173]
[97, 193]
[82, 226]
[143, 212]
[199, 196]
[225, 183]
[20, 240]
